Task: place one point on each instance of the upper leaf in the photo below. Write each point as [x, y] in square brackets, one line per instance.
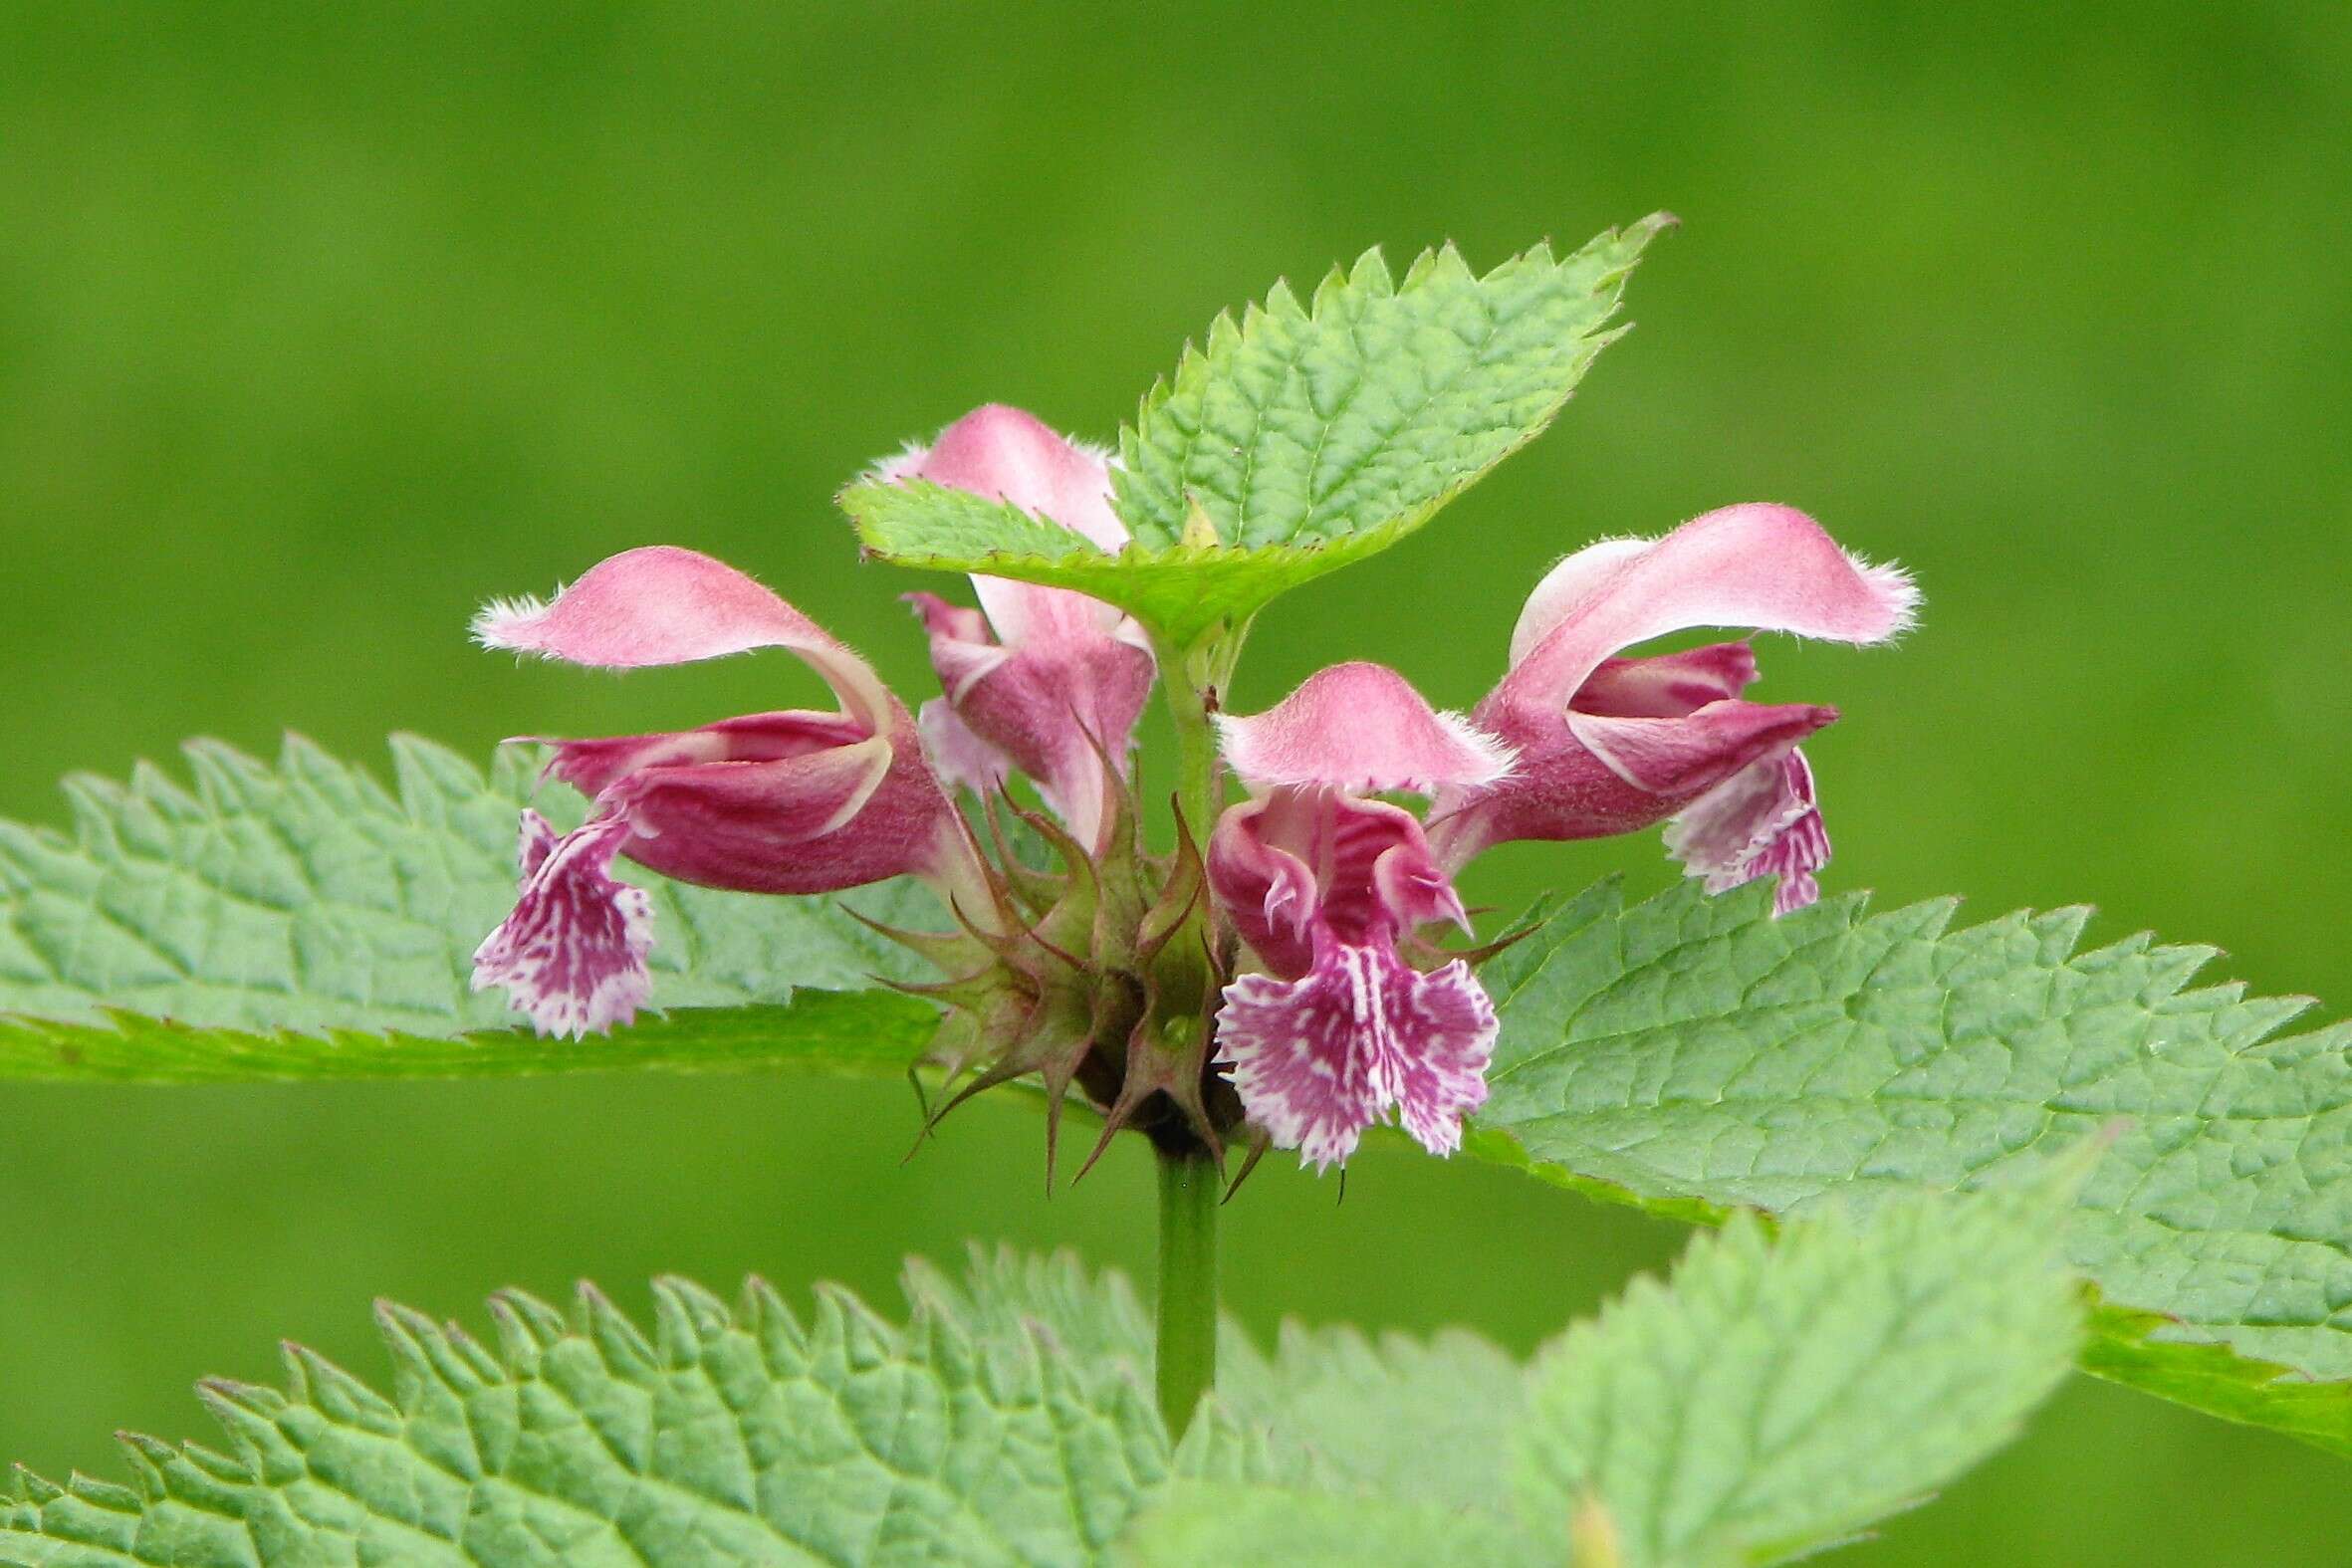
[1692, 1053]
[1304, 437]
[302, 922]
[1373, 405]
[1776, 1395]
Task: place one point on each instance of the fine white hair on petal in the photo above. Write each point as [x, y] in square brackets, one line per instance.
[1893, 581]
[494, 622]
[1361, 727]
[1100, 452]
[1758, 565]
[1499, 754]
[890, 470]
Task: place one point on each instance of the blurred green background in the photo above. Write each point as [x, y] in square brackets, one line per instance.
[320, 325]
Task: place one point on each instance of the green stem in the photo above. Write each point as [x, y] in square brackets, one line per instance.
[1197, 795]
[1189, 1191]
[1189, 1186]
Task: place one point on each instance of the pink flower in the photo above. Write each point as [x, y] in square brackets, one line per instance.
[1324, 884]
[1608, 745]
[775, 803]
[1058, 686]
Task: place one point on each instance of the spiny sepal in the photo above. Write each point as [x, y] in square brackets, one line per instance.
[1098, 977]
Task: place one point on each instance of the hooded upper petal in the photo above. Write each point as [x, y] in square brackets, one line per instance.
[1051, 681]
[1360, 727]
[664, 606]
[1009, 454]
[571, 955]
[1006, 454]
[1766, 566]
[1609, 744]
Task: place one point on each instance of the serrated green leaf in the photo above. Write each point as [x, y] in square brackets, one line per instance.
[1330, 1407]
[302, 922]
[1008, 1421]
[733, 1434]
[1692, 1053]
[1374, 402]
[1202, 1522]
[1409, 1420]
[1778, 1395]
[1308, 436]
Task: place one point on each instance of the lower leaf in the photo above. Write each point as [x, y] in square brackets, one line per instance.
[300, 921]
[1693, 1056]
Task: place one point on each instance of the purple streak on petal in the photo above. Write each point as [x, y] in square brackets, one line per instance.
[1360, 727]
[1445, 1034]
[1667, 685]
[1762, 821]
[534, 845]
[1320, 1058]
[594, 766]
[814, 824]
[1295, 860]
[1582, 775]
[1676, 758]
[1296, 1061]
[665, 605]
[571, 955]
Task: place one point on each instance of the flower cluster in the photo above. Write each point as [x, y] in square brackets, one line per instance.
[1308, 999]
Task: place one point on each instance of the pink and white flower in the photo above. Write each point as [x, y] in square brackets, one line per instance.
[1058, 685]
[1324, 884]
[791, 801]
[1610, 745]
